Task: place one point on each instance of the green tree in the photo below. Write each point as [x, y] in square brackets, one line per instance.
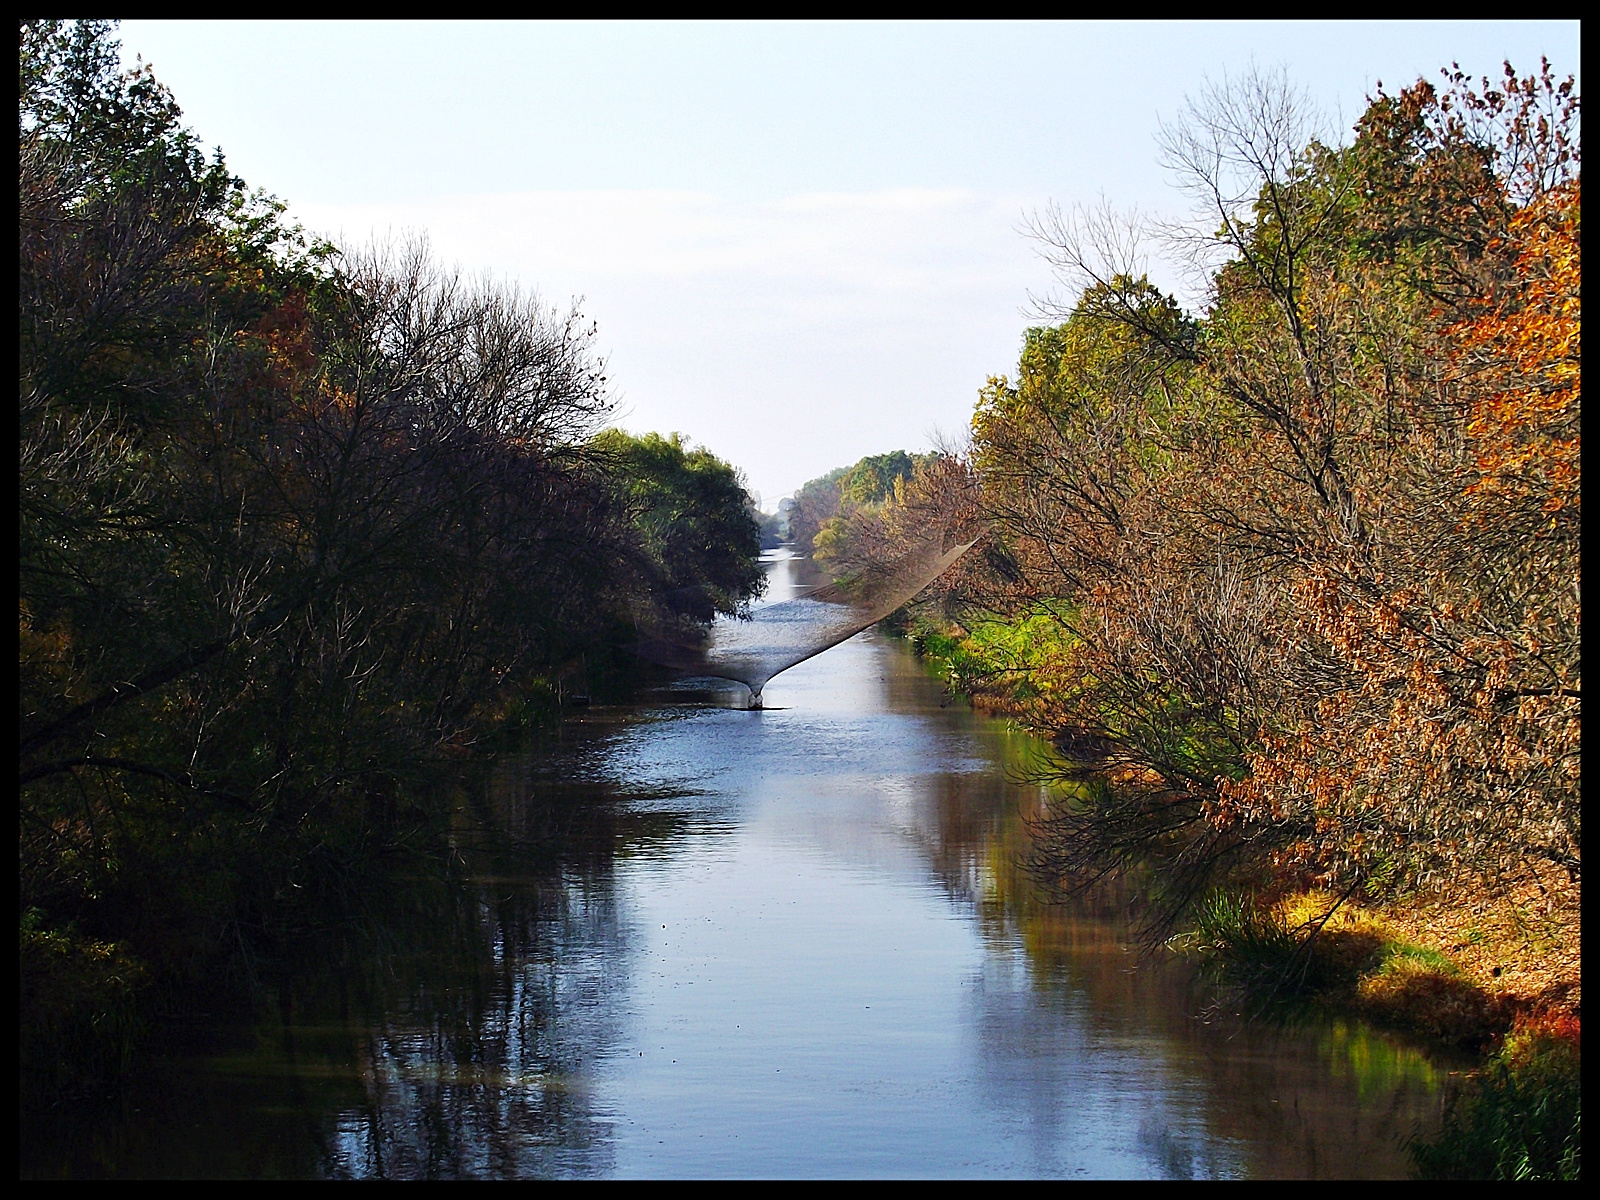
[696, 518]
[824, 505]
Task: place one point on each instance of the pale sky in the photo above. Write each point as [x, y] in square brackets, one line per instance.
[800, 240]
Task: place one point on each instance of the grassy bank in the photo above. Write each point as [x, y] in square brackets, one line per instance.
[1520, 1115]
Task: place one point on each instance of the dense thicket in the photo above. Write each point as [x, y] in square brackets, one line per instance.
[1306, 565]
[292, 521]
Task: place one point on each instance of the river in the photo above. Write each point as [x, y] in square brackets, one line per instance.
[701, 941]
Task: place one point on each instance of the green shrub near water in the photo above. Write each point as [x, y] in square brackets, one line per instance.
[1011, 660]
[1247, 940]
[1520, 1119]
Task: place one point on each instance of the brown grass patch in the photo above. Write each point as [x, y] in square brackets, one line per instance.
[1521, 945]
[1465, 965]
[1440, 1003]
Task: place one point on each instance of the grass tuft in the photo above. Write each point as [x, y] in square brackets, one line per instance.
[1521, 1118]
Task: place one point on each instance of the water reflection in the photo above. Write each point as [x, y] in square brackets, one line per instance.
[789, 629]
[692, 940]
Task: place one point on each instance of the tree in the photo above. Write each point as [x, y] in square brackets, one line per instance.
[695, 515]
[294, 523]
[1315, 551]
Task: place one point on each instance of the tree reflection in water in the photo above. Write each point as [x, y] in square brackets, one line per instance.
[479, 1063]
[1296, 1095]
[845, 877]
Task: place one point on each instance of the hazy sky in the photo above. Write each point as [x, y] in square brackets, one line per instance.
[800, 240]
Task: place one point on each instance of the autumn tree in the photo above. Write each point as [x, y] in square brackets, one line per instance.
[1313, 554]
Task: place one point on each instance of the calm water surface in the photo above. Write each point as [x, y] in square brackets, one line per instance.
[709, 942]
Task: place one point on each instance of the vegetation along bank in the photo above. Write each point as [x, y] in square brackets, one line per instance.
[297, 522]
[1293, 582]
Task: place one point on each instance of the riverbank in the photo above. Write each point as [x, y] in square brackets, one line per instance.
[796, 942]
[1496, 971]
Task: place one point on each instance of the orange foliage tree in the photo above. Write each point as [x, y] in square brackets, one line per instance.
[1315, 550]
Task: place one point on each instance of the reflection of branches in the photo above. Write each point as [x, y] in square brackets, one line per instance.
[468, 1046]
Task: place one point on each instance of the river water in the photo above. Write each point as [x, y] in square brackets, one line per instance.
[701, 941]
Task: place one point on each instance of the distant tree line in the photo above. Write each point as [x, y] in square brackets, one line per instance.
[823, 505]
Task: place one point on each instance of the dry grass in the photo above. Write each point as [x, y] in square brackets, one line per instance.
[1420, 996]
[1464, 966]
[1521, 945]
